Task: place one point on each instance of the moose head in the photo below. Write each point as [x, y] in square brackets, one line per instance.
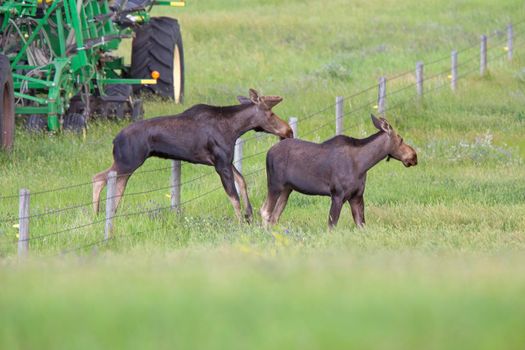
[264, 118]
[398, 149]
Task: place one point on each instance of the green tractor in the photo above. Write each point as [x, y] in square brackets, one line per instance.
[58, 66]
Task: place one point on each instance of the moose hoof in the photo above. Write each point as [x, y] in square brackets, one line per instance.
[248, 218]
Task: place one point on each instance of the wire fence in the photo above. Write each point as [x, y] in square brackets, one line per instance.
[362, 93]
[316, 113]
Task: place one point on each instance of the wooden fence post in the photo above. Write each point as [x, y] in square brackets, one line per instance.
[381, 98]
[23, 223]
[419, 78]
[510, 37]
[293, 125]
[454, 71]
[237, 159]
[175, 184]
[483, 55]
[110, 203]
[339, 114]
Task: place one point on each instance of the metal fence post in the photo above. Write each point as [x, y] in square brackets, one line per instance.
[510, 37]
[23, 223]
[237, 159]
[175, 184]
[293, 125]
[381, 98]
[483, 55]
[237, 154]
[110, 203]
[419, 78]
[454, 71]
[339, 113]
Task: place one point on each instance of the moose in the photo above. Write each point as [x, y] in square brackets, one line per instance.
[202, 134]
[335, 168]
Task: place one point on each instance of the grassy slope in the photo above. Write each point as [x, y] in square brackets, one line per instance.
[440, 264]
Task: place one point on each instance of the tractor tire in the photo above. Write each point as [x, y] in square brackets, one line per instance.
[119, 109]
[75, 122]
[132, 4]
[36, 123]
[137, 110]
[119, 103]
[157, 46]
[7, 105]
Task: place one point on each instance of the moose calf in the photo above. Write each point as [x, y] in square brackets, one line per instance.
[202, 134]
[335, 168]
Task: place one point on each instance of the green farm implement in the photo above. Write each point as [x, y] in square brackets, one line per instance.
[59, 67]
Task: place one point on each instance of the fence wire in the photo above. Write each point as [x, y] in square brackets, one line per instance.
[352, 111]
[204, 194]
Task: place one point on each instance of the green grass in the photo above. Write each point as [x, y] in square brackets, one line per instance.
[440, 264]
[232, 300]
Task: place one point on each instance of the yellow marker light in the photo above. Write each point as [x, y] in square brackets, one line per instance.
[155, 74]
[506, 48]
[148, 81]
[177, 3]
[375, 107]
[449, 76]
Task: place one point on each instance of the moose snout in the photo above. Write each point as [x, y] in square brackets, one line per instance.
[412, 161]
[288, 134]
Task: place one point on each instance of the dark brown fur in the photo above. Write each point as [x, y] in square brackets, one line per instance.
[335, 168]
[202, 135]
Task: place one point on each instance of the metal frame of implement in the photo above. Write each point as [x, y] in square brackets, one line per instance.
[65, 47]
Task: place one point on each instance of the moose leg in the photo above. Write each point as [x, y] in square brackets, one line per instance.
[335, 211]
[226, 174]
[357, 204]
[99, 182]
[268, 206]
[239, 179]
[122, 181]
[280, 205]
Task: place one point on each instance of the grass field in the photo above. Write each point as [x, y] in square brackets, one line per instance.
[440, 264]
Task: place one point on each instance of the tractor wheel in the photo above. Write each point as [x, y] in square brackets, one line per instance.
[119, 103]
[157, 46]
[74, 122]
[137, 110]
[36, 123]
[122, 108]
[7, 104]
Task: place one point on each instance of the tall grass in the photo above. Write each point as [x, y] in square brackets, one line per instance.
[438, 266]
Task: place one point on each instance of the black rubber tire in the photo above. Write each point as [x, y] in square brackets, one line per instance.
[118, 90]
[132, 4]
[36, 123]
[157, 46]
[74, 122]
[119, 109]
[137, 111]
[7, 105]
[76, 105]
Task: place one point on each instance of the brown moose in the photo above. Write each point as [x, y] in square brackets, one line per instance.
[335, 168]
[202, 134]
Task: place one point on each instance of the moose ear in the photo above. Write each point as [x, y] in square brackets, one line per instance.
[254, 96]
[381, 124]
[377, 122]
[271, 101]
[243, 100]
